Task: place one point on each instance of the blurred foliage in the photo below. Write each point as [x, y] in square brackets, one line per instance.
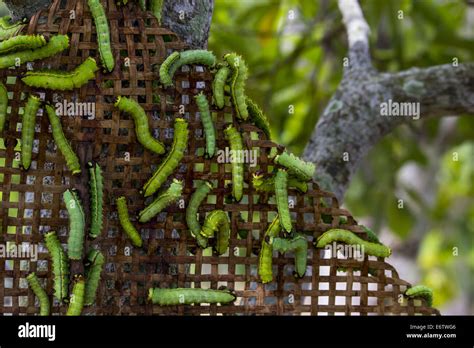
[294, 50]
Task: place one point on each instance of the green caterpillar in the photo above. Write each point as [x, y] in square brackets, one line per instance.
[3, 105]
[265, 258]
[103, 34]
[192, 212]
[258, 117]
[22, 42]
[348, 237]
[55, 45]
[75, 242]
[218, 85]
[182, 296]
[299, 245]
[421, 291]
[60, 265]
[192, 57]
[96, 184]
[171, 162]
[281, 196]
[267, 184]
[28, 130]
[207, 124]
[7, 29]
[39, 292]
[72, 161]
[140, 119]
[236, 146]
[95, 264]
[217, 221]
[296, 166]
[76, 302]
[127, 226]
[165, 77]
[237, 86]
[169, 196]
[62, 80]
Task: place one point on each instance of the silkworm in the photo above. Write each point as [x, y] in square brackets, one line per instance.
[236, 146]
[72, 161]
[217, 222]
[7, 29]
[265, 258]
[3, 105]
[75, 242]
[421, 291]
[218, 85]
[140, 119]
[171, 162]
[166, 198]
[76, 301]
[281, 196]
[208, 125]
[62, 80]
[60, 266]
[192, 221]
[181, 296]
[299, 245]
[55, 45]
[95, 264]
[348, 237]
[237, 85]
[266, 184]
[127, 226]
[39, 292]
[189, 57]
[296, 166]
[22, 42]
[165, 67]
[258, 117]
[96, 183]
[103, 34]
[28, 129]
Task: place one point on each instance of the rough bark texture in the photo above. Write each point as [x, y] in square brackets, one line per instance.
[190, 19]
[352, 122]
[20, 9]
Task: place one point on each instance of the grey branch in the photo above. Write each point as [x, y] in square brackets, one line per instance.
[190, 19]
[20, 9]
[352, 122]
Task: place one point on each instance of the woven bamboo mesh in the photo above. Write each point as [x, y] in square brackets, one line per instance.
[31, 201]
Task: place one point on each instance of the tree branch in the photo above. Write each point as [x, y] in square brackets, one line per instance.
[190, 19]
[353, 121]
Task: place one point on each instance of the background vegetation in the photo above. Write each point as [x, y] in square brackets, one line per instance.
[295, 52]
